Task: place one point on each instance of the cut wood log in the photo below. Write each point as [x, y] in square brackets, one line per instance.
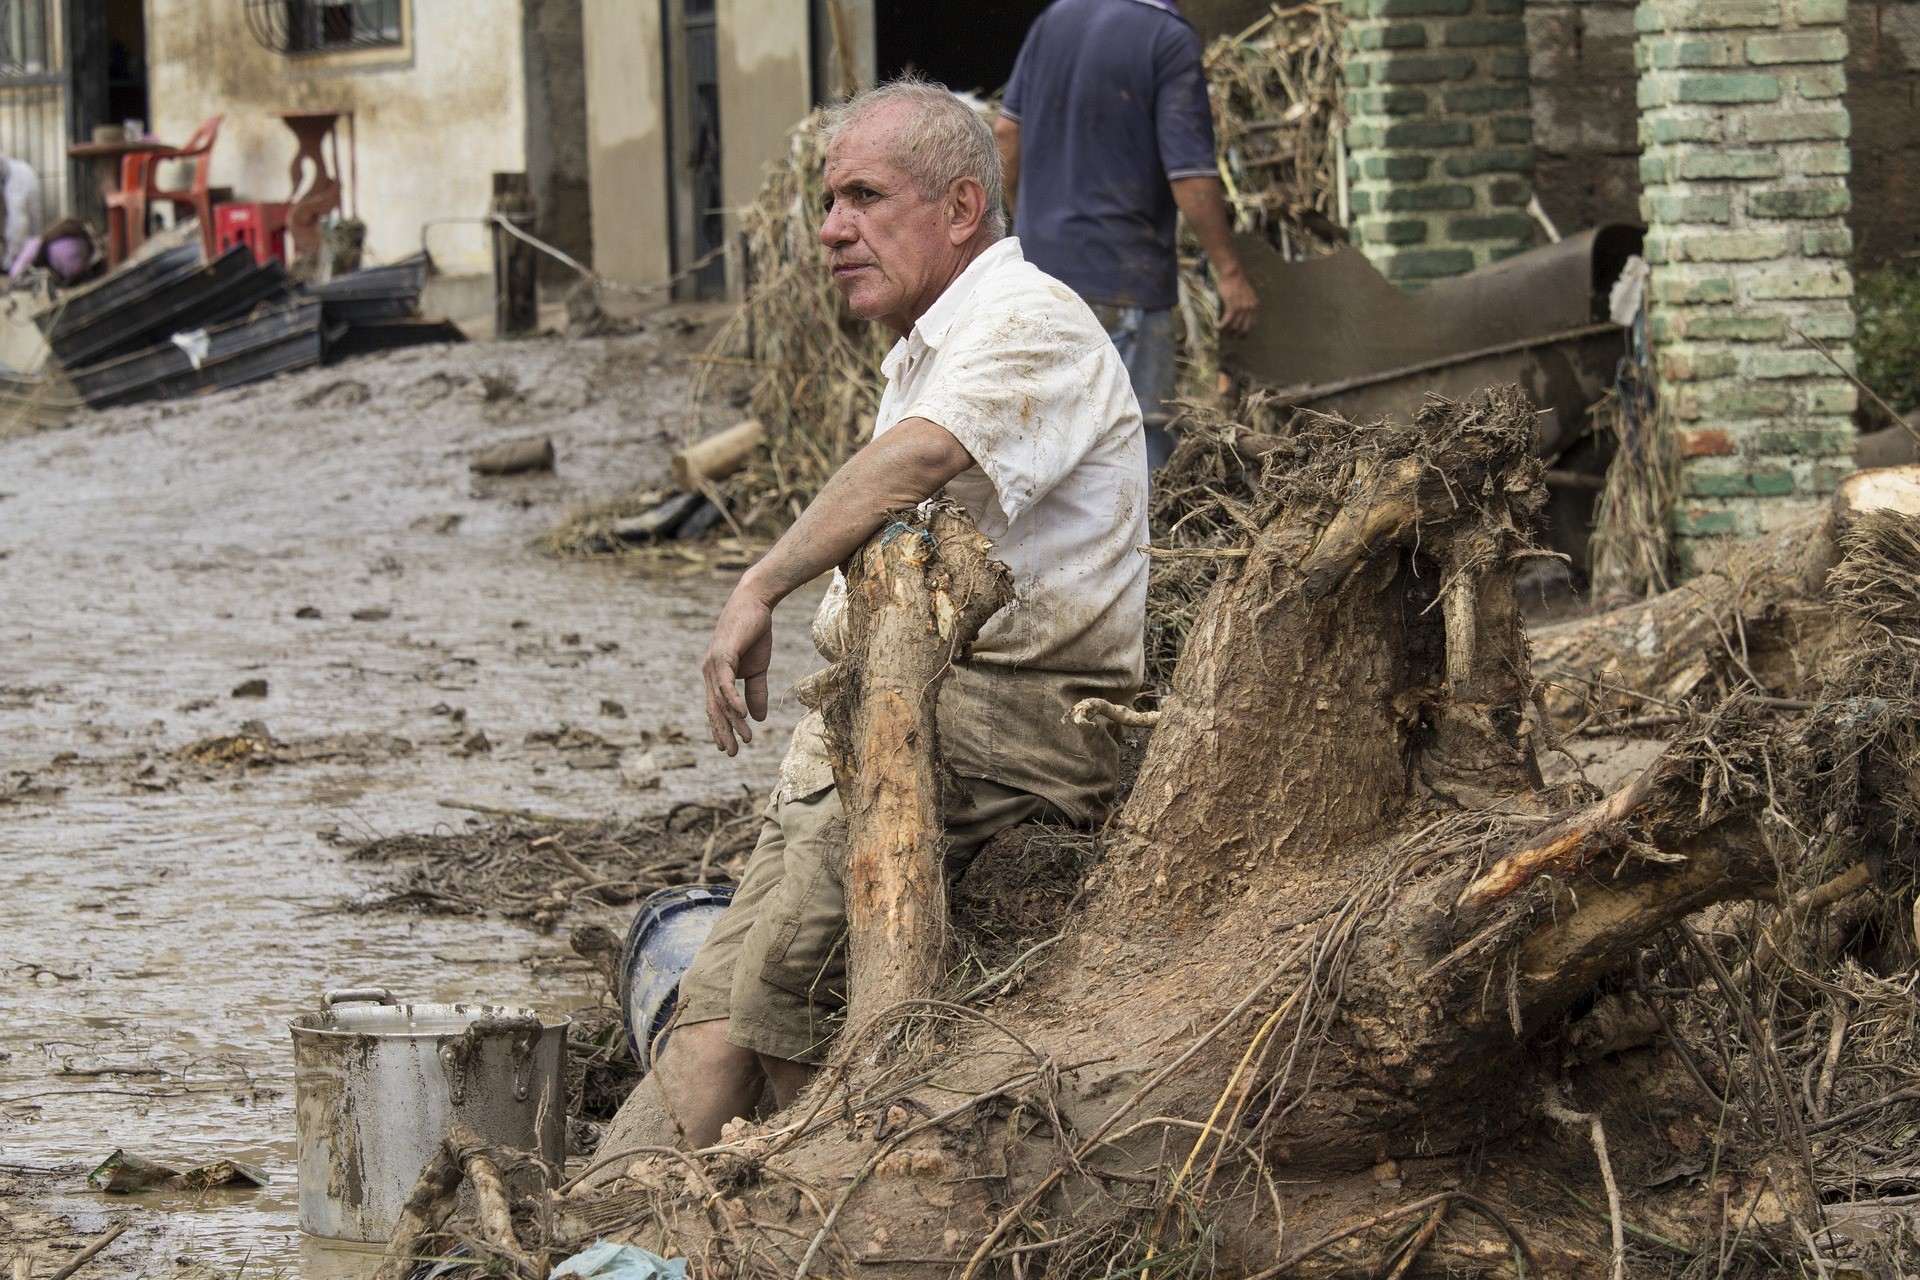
[515, 457]
[657, 523]
[1759, 616]
[917, 594]
[718, 456]
[1317, 940]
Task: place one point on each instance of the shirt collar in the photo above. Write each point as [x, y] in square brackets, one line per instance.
[931, 328]
[1168, 5]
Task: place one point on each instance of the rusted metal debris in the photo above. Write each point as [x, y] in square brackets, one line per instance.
[1336, 336]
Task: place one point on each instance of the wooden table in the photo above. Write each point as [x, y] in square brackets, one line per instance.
[315, 194]
[105, 157]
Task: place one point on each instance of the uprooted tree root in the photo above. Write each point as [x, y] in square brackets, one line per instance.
[1350, 992]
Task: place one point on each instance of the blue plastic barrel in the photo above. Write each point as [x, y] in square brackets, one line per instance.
[669, 930]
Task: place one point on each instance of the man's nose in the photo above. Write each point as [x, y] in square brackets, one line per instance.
[837, 229]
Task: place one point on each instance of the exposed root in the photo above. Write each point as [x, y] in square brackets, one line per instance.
[1087, 710]
[1558, 1111]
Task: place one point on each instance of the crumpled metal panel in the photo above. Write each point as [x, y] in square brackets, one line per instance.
[1335, 318]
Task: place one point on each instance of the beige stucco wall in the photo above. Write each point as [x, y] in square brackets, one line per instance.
[627, 140]
[764, 92]
[435, 119]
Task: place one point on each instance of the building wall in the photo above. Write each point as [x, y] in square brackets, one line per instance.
[1586, 146]
[1438, 134]
[627, 140]
[765, 89]
[434, 119]
[557, 132]
[1745, 167]
[1883, 98]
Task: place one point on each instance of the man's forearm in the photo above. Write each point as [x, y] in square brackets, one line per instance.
[1006, 138]
[1203, 202]
[906, 466]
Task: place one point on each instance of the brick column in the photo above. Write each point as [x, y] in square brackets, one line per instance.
[1745, 166]
[1438, 134]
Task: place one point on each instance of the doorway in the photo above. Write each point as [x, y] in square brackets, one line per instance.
[126, 66]
[963, 46]
[696, 205]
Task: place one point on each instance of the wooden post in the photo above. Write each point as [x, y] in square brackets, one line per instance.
[917, 595]
[516, 302]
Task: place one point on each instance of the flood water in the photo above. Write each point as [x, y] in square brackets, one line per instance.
[162, 920]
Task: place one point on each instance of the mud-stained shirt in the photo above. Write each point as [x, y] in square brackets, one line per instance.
[1013, 364]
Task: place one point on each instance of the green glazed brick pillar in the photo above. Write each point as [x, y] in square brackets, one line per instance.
[1439, 134]
[1744, 170]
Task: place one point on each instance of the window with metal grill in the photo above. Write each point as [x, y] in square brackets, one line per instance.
[320, 26]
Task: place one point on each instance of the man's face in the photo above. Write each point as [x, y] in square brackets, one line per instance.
[891, 249]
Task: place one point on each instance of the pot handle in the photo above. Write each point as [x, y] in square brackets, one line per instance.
[356, 995]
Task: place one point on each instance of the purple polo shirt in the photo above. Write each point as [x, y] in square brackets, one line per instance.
[1111, 101]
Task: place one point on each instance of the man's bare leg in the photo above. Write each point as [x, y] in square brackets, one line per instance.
[700, 1082]
[787, 1078]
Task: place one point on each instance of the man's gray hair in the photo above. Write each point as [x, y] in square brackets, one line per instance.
[943, 140]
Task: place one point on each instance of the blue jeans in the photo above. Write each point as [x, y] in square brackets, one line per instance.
[1144, 340]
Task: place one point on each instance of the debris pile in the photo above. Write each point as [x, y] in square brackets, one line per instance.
[173, 324]
[537, 868]
[1277, 117]
[1727, 1089]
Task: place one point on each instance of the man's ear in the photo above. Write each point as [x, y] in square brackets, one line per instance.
[966, 209]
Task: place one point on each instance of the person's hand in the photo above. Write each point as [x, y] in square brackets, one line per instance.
[1239, 304]
[741, 649]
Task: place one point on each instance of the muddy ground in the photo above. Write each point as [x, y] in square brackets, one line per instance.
[171, 896]
[165, 912]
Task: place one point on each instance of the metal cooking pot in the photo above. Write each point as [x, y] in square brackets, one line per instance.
[377, 1084]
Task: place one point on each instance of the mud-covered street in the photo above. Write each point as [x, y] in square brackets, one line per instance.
[163, 911]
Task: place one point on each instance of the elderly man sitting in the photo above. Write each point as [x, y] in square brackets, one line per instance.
[1005, 391]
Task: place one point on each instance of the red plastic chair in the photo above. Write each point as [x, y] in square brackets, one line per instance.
[138, 173]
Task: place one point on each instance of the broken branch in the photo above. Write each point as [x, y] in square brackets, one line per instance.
[918, 593]
[88, 1254]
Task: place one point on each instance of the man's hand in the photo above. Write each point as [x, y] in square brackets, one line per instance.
[1239, 304]
[741, 649]
[1203, 204]
[904, 467]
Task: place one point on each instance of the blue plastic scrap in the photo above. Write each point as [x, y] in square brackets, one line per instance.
[609, 1261]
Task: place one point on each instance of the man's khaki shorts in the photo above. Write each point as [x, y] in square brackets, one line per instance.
[775, 965]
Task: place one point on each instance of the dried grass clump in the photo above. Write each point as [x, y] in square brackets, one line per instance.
[819, 385]
[1277, 119]
[537, 870]
[1633, 520]
[1276, 90]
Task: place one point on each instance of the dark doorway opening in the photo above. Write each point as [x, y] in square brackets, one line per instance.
[126, 97]
[696, 209]
[963, 46]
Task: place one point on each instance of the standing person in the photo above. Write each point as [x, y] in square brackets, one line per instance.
[1104, 134]
[20, 192]
[1004, 391]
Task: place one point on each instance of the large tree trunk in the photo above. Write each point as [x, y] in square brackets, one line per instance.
[1338, 945]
